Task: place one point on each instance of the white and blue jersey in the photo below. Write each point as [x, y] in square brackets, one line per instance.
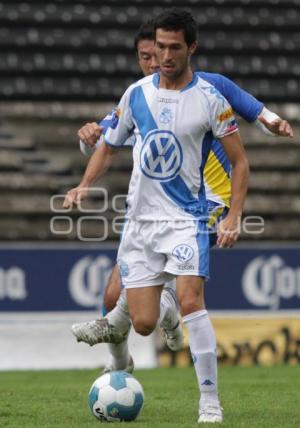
[217, 171]
[106, 123]
[173, 133]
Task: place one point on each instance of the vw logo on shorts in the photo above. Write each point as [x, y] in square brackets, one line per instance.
[183, 252]
[161, 155]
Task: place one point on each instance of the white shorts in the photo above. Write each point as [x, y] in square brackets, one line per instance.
[152, 253]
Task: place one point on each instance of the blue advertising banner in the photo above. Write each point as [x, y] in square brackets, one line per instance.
[53, 279]
[72, 279]
[256, 278]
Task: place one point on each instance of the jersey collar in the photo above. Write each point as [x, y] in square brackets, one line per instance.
[156, 78]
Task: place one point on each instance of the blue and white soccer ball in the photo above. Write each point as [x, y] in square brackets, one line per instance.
[116, 396]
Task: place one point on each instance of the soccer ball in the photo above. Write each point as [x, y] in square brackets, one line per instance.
[116, 396]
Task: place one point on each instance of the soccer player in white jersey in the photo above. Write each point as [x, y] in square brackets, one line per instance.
[170, 114]
[217, 169]
[169, 321]
[205, 414]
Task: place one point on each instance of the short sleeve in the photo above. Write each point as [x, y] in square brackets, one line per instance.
[105, 123]
[243, 103]
[222, 117]
[121, 124]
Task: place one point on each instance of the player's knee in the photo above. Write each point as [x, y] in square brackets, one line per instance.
[143, 326]
[189, 304]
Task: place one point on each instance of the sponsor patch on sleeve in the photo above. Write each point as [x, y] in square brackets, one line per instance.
[115, 116]
[232, 126]
[227, 114]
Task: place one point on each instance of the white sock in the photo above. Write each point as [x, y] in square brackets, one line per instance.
[168, 318]
[203, 349]
[120, 354]
[119, 317]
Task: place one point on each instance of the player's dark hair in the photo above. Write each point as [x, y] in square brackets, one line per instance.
[175, 19]
[145, 32]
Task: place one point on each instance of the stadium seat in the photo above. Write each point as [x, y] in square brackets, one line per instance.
[285, 181]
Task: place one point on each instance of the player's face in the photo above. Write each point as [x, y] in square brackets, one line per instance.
[147, 57]
[173, 53]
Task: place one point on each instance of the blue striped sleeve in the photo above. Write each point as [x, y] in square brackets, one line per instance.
[243, 103]
[105, 123]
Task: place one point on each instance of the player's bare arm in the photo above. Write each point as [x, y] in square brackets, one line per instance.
[98, 164]
[90, 133]
[228, 229]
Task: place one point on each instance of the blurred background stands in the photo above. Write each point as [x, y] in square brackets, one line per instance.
[63, 63]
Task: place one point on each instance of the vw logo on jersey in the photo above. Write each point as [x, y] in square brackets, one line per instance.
[165, 115]
[161, 155]
[183, 252]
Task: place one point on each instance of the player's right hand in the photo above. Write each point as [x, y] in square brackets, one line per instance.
[90, 133]
[75, 196]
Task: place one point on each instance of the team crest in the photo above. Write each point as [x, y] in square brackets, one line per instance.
[115, 116]
[166, 115]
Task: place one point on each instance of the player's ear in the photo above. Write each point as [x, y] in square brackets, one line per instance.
[192, 48]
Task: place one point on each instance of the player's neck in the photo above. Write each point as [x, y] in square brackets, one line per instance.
[178, 83]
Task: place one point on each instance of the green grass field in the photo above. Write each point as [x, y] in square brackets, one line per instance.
[252, 397]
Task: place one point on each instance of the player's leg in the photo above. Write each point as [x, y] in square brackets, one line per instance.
[113, 328]
[119, 319]
[88, 331]
[144, 307]
[114, 300]
[169, 320]
[107, 330]
[99, 330]
[210, 410]
[142, 270]
[112, 291]
[202, 341]
[188, 258]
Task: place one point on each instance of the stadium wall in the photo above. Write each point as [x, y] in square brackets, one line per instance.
[253, 296]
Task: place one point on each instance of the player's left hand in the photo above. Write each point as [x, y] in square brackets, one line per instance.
[228, 231]
[75, 196]
[279, 127]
